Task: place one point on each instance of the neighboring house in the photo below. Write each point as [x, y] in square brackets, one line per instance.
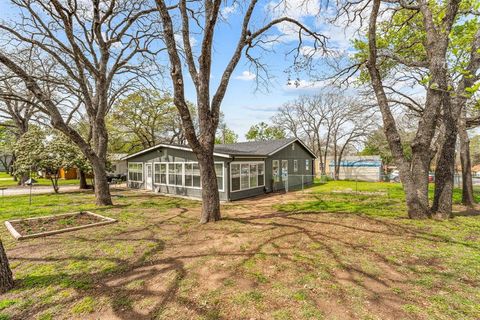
[118, 163]
[244, 169]
[363, 168]
[5, 161]
[69, 174]
[475, 170]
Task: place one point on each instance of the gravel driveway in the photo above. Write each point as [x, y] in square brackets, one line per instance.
[15, 191]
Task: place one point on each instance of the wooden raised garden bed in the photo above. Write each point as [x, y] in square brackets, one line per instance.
[49, 225]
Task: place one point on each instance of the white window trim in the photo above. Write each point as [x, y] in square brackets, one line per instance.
[183, 175]
[142, 171]
[249, 163]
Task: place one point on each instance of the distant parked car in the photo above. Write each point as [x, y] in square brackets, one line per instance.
[116, 178]
[431, 177]
[394, 176]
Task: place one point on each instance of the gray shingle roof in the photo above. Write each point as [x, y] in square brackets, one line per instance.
[253, 148]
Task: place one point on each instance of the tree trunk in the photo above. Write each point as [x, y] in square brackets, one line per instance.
[210, 196]
[83, 180]
[416, 193]
[445, 169]
[101, 186]
[6, 278]
[54, 181]
[467, 181]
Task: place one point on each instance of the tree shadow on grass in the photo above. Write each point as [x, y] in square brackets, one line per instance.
[469, 212]
[112, 284]
[273, 232]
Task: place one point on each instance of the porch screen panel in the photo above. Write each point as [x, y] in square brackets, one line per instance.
[235, 176]
[261, 174]
[219, 173]
[196, 175]
[253, 176]
[244, 176]
[188, 174]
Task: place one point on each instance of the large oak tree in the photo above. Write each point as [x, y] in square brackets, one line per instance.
[411, 44]
[203, 18]
[97, 50]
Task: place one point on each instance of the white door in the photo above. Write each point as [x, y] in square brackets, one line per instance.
[148, 176]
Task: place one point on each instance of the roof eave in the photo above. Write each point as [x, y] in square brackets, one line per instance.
[162, 145]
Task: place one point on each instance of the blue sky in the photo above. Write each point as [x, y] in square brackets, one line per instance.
[244, 105]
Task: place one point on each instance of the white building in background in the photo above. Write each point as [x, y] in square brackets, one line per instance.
[5, 161]
[119, 164]
[363, 168]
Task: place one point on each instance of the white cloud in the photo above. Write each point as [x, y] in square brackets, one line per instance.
[228, 10]
[263, 108]
[295, 9]
[179, 41]
[246, 76]
[304, 85]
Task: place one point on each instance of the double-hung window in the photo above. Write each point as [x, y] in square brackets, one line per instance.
[295, 165]
[307, 164]
[135, 172]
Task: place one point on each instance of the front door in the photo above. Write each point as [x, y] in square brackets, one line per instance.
[148, 176]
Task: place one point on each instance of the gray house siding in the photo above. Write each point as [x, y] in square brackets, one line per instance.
[170, 156]
[299, 153]
[295, 178]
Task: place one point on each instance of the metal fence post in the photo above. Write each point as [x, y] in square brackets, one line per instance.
[302, 182]
[356, 184]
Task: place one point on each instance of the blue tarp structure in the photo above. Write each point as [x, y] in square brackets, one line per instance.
[358, 163]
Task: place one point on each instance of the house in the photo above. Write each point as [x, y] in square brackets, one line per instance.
[243, 169]
[118, 163]
[363, 168]
[5, 161]
[475, 170]
[68, 174]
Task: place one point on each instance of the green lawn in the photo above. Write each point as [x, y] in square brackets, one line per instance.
[40, 181]
[335, 251]
[375, 199]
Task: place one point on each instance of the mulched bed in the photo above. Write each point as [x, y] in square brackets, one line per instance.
[32, 227]
[54, 223]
